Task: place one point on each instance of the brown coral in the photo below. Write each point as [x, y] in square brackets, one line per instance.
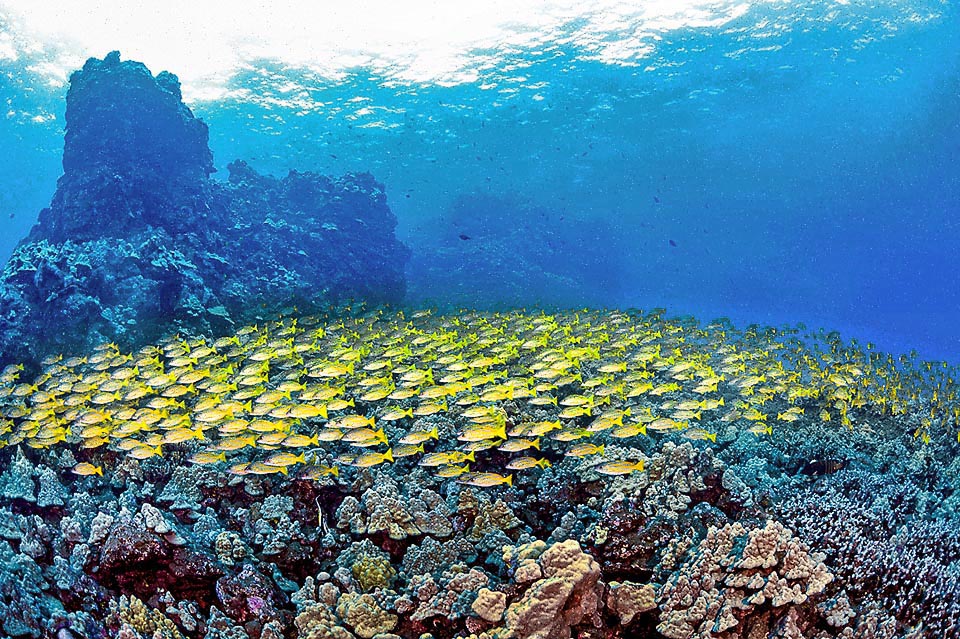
[627, 600]
[566, 596]
[364, 615]
[732, 572]
[148, 622]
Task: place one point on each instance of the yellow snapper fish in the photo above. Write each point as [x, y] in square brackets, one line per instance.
[397, 414]
[86, 469]
[486, 480]
[572, 412]
[343, 404]
[144, 451]
[429, 409]
[419, 436]
[583, 450]
[236, 443]
[260, 468]
[297, 440]
[666, 424]
[445, 458]
[629, 430]
[180, 435]
[284, 459]
[407, 450]
[760, 428]
[700, 434]
[523, 463]
[570, 434]
[539, 429]
[519, 444]
[367, 460]
[316, 472]
[543, 400]
[329, 435]
[352, 421]
[478, 433]
[620, 467]
[483, 444]
[448, 471]
[308, 411]
[788, 416]
[206, 457]
[364, 434]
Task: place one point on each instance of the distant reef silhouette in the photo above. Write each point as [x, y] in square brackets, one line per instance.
[139, 240]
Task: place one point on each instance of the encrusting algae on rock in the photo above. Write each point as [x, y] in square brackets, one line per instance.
[491, 475]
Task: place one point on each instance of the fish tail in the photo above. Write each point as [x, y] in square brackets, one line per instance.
[509, 480]
[536, 443]
[712, 437]
[98, 470]
[435, 434]
[388, 456]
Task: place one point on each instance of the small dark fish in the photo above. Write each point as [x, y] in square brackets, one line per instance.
[656, 199]
[819, 467]
[463, 236]
[672, 243]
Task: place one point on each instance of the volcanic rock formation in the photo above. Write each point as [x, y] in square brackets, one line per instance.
[139, 240]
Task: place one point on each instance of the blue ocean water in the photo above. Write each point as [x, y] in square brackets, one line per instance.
[775, 162]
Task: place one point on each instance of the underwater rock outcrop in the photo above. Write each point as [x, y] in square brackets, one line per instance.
[139, 240]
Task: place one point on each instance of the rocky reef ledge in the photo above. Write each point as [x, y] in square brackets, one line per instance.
[139, 240]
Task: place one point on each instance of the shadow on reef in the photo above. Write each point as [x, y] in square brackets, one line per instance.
[139, 241]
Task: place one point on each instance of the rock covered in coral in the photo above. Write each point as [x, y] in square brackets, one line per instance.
[733, 571]
[627, 600]
[139, 240]
[16, 482]
[566, 596]
[385, 509]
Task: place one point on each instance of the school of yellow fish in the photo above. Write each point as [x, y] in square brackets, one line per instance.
[520, 388]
